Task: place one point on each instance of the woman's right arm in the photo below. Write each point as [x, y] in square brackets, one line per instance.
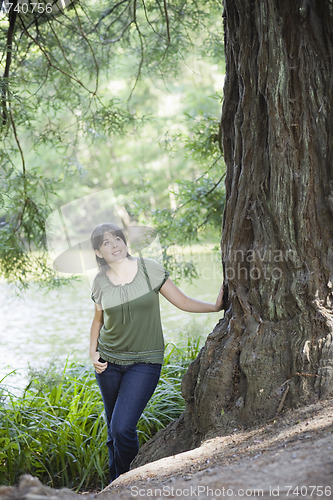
[96, 325]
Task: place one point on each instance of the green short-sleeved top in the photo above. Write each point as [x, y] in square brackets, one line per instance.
[132, 330]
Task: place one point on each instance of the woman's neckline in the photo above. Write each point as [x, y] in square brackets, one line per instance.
[128, 282]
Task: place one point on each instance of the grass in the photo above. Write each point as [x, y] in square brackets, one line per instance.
[56, 429]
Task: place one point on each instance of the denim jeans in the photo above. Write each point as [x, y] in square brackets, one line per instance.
[125, 389]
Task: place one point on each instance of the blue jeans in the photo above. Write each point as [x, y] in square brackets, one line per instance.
[125, 389]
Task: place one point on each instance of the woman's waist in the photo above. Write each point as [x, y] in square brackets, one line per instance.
[128, 357]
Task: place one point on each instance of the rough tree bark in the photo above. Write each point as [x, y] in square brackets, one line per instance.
[274, 348]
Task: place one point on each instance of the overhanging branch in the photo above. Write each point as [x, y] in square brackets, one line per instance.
[9, 50]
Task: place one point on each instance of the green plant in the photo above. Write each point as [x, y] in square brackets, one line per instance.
[56, 430]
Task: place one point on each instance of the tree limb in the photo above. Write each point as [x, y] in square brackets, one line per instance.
[107, 13]
[9, 50]
[167, 19]
[90, 47]
[141, 49]
[51, 63]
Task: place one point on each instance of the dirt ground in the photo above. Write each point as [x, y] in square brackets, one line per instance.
[288, 457]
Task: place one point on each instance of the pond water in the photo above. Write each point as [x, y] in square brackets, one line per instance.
[44, 327]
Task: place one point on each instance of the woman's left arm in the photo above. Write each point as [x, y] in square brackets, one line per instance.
[174, 295]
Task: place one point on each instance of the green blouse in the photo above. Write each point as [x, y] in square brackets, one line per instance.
[132, 330]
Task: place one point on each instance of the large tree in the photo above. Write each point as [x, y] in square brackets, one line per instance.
[274, 347]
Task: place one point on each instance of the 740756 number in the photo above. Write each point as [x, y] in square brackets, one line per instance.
[26, 7]
[306, 491]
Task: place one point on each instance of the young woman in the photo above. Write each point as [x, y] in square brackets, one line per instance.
[126, 339]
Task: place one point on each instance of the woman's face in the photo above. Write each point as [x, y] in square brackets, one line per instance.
[112, 248]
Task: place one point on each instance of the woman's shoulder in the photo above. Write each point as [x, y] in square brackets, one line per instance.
[155, 272]
[97, 286]
[152, 264]
[148, 260]
[99, 278]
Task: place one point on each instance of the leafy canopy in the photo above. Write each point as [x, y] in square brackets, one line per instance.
[57, 102]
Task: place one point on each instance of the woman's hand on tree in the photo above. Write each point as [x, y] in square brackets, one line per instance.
[219, 300]
[99, 367]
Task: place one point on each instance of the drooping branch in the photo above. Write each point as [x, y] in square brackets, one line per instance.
[108, 12]
[148, 20]
[54, 66]
[19, 147]
[60, 45]
[142, 51]
[9, 52]
[84, 36]
[167, 20]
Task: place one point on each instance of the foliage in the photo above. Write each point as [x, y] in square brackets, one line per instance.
[62, 119]
[199, 203]
[52, 431]
[61, 116]
[22, 230]
[56, 429]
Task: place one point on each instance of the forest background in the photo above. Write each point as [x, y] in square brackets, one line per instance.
[123, 95]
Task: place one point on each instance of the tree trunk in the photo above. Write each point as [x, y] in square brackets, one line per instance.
[274, 348]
